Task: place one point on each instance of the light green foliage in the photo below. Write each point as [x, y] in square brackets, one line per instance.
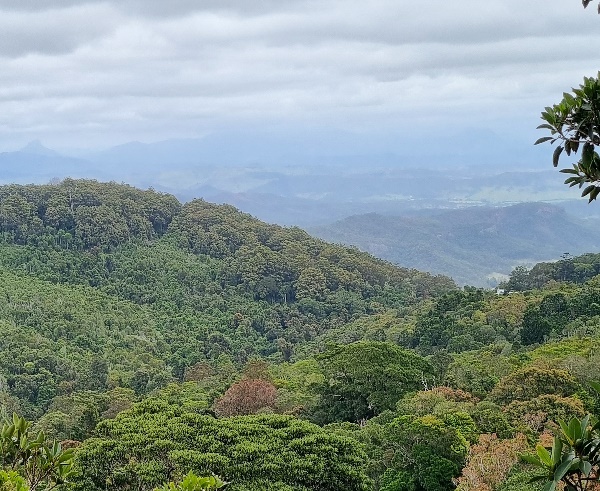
[452, 407]
[574, 123]
[191, 482]
[43, 464]
[394, 326]
[551, 406]
[59, 338]
[141, 447]
[535, 413]
[189, 396]
[12, 481]
[365, 378]
[438, 399]
[74, 416]
[560, 351]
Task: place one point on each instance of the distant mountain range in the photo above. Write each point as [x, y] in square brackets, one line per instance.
[441, 218]
[475, 246]
[306, 188]
[306, 179]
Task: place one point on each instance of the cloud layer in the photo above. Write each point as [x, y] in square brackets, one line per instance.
[99, 73]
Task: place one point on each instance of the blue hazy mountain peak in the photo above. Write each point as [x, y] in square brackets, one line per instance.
[36, 147]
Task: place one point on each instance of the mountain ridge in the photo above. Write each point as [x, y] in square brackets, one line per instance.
[474, 245]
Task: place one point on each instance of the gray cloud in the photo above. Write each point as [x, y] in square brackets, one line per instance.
[112, 71]
[53, 32]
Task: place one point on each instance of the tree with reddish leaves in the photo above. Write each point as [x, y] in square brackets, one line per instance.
[248, 396]
[490, 461]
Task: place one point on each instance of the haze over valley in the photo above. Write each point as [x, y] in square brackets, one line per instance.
[385, 205]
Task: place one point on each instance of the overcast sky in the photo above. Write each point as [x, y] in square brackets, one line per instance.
[78, 73]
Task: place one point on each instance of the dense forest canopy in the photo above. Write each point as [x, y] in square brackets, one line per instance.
[160, 338]
[127, 288]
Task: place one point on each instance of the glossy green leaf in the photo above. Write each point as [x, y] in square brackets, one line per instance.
[556, 155]
[586, 191]
[557, 448]
[544, 455]
[543, 139]
[562, 469]
[532, 459]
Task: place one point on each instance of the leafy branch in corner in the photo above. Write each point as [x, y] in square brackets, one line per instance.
[575, 123]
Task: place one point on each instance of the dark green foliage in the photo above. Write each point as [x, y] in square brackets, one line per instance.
[366, 378]
[427, 455]
[536, 327]
[552, 315]
[155, 441]
[104, 285]
[577, 269]
[283, 265]
[489, 418]
[373, 437]
[450, 324]
[78, 214]
[416, 452]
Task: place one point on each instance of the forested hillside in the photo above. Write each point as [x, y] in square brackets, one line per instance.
[158, 338]
[98, 273]
[476, 245]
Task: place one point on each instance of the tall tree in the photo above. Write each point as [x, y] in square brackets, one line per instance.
[365, 378]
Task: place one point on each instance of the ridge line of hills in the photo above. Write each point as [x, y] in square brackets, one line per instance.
[477, 246]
